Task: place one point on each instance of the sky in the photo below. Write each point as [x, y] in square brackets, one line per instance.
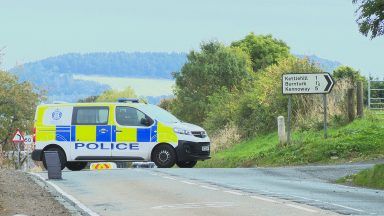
[33, 30]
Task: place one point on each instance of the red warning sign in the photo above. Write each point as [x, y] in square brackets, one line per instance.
[18, 137]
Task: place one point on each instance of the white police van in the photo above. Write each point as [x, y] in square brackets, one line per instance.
[122, 131]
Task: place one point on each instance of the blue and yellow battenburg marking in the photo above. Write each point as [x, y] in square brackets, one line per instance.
[106, 133]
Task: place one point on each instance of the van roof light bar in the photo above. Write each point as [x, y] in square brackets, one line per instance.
[125, 100]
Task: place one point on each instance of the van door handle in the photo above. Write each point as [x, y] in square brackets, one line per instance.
[103, 130]
[119, 131]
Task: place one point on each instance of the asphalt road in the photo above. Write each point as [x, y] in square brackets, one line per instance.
[259, 191]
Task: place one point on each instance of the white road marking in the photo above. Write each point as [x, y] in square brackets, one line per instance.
[187, 182]
[301, 208]
[305, 198]
[195, 205]
[209, 188]
[315, 200]
[234, 192]
[265, 199]
[167, 177]
[70, 197]
[359, 210]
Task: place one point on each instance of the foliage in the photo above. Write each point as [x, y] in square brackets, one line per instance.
[364, 141]
[370, 17]
[18, 101]
[166, 103]
[264, 50]
[206, 72]
[114, 95]
[225, 138]
[89, 99]
[372, 178]
[223, 107]
[263, 102]
[346, 72]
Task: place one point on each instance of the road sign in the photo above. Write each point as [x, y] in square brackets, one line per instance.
[28, 140]
[18, 137]
[312, 83]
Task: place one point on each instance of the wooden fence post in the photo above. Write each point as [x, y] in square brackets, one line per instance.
[351, 104]
[360, 99]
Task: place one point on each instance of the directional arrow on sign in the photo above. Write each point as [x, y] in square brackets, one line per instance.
[309, 83]
[330, 82]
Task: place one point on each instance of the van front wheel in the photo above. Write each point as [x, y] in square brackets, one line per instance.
[186, 164]
[164, 156]
[76, 166]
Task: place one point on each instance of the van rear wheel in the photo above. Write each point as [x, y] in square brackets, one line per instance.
[186, 164]
[164, 156]
[62, 157]
[76, 166]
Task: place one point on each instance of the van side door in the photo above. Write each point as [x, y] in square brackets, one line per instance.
[135, 133]
[92, 135]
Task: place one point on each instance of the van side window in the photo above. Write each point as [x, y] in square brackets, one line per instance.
[129, 116]
[90, 115]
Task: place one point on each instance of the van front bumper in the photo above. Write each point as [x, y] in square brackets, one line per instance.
[37, 155]
[191, 151]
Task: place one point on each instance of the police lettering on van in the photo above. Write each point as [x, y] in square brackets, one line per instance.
[123, 131]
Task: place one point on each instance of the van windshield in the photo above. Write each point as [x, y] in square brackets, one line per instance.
[158, 113]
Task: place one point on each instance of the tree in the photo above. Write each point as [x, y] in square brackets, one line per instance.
[264, 50]
[370, 17]
[89, 99]
[206, 72]
[18, 101]
[346, 72]
[114, 95]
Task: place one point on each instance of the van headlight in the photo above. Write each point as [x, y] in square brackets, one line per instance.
[182, 131]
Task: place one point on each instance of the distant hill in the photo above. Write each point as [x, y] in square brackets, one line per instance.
[55, 74]
[325, 64]
[116, 64]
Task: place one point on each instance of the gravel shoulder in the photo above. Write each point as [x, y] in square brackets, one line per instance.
[19, 194]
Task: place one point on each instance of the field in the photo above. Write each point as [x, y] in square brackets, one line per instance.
[142, 86]
[358, 141]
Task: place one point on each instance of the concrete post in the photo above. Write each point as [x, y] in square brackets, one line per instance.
[281, 130]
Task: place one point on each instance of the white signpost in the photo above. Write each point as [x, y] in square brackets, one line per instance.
[307, 83]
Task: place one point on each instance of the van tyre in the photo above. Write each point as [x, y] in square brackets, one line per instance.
[186, 164]
[164, 156]
[62, 157]
[76, 166]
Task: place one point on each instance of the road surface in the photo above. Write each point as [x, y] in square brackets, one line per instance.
[258, 191]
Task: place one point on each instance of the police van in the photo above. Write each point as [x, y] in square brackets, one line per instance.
[123, 131]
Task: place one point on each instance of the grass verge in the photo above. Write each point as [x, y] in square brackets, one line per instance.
[357, 141]
[371, 178]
